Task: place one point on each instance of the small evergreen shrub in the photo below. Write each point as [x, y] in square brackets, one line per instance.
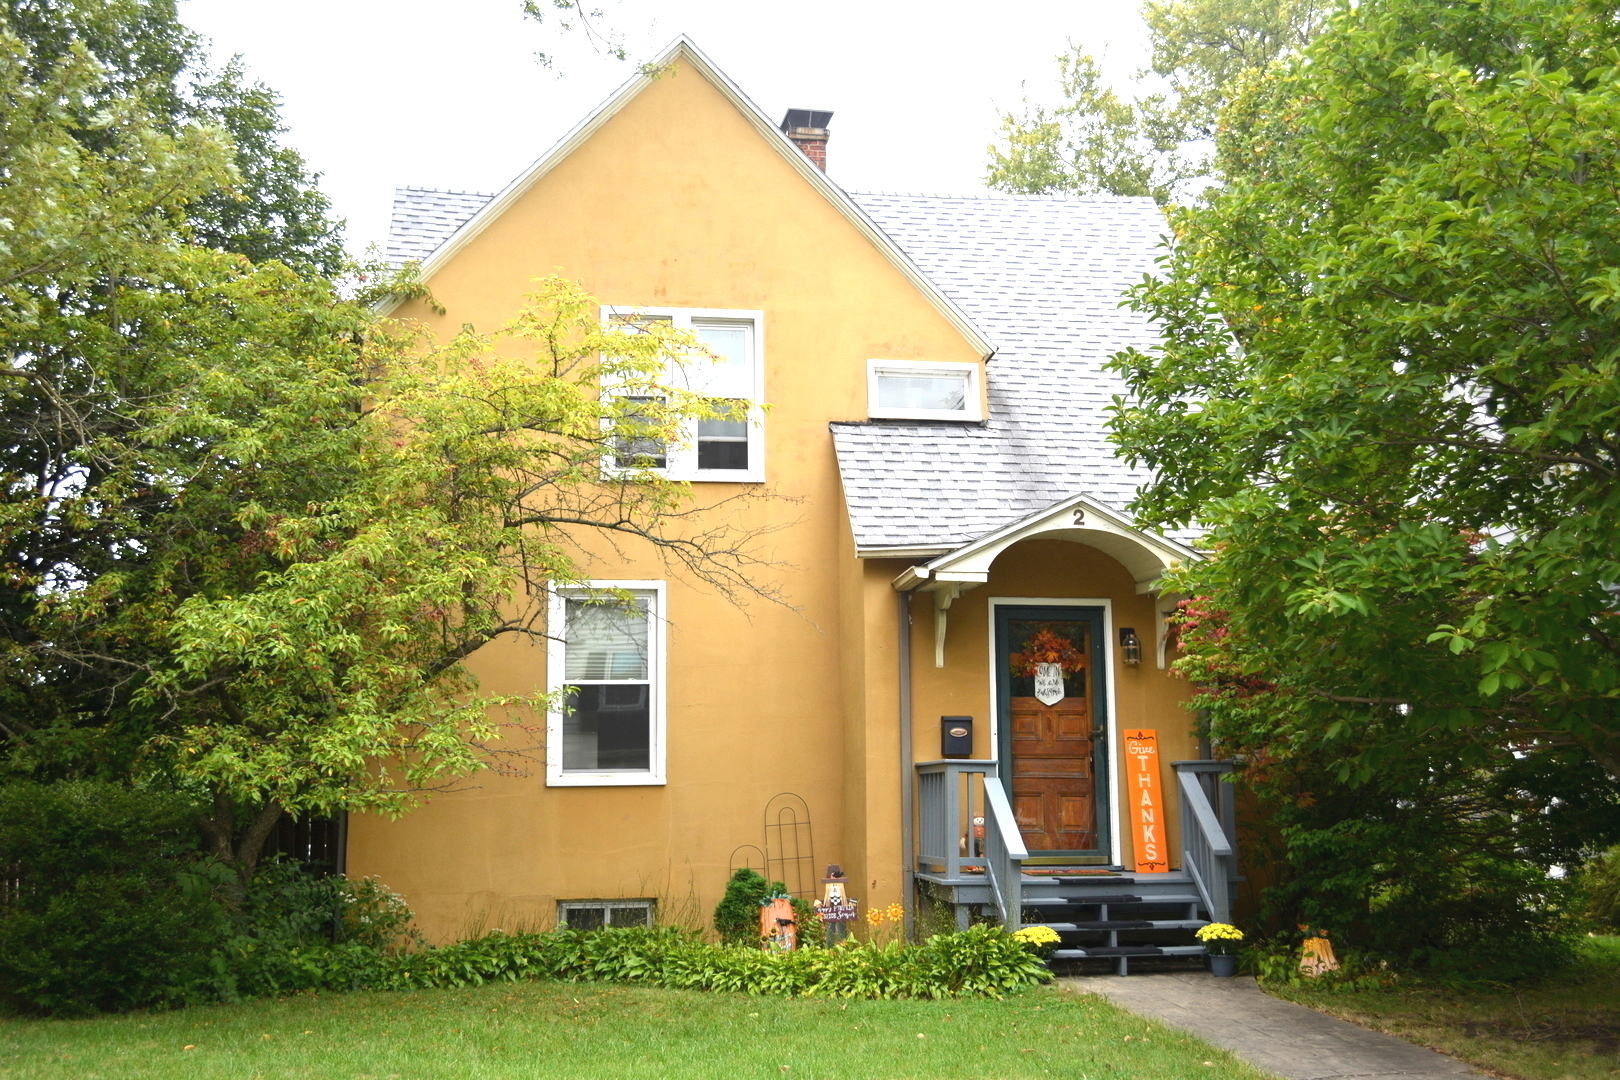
[736, 917]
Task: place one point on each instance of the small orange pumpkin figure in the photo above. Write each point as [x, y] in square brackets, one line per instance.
[777, 928]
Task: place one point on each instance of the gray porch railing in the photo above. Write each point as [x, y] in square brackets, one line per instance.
[950, 794]
[1208, 833]
[1004, 855]
[953, 798]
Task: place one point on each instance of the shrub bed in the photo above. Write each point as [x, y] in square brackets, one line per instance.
[980, 962]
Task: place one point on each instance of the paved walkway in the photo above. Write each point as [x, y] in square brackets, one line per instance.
[1285, 1038]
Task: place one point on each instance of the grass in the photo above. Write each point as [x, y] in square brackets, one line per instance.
[1565, 1029]
[587, 1031]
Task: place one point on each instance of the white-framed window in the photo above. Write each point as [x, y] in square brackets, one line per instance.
[605, 668]
[597, 914]
[731, 445]
[922, 390]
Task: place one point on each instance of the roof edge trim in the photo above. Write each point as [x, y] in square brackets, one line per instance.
[917, 551]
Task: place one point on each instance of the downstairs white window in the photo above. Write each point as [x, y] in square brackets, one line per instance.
[606, 675]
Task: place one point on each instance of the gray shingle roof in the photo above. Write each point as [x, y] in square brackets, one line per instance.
[424, 218]
[1040, 276]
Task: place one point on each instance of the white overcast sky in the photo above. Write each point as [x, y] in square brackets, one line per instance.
[384, 92]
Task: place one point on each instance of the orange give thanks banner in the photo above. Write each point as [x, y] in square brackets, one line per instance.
[1142, 796]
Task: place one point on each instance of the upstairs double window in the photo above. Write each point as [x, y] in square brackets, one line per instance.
[729, 443]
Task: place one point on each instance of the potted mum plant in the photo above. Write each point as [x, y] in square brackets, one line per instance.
[1219, 940]
[1041, 940]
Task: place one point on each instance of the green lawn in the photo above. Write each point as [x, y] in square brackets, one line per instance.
[593, 1030]
[1565, 1029]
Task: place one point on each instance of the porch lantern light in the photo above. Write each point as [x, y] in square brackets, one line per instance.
[1130, 646]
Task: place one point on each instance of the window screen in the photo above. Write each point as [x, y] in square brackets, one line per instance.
[722, 441]
[596, 914]
[607, 711]
[732, 375]
[637, 445]
[938, 393]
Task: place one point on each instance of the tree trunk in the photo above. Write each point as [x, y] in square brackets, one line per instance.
[239, 851]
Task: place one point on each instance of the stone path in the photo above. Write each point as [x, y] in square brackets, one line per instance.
[1287, 1039]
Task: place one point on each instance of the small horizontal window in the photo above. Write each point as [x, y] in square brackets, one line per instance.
[597, 914]
[923, 391]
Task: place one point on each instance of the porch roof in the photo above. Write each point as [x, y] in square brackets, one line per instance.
[1079, 519]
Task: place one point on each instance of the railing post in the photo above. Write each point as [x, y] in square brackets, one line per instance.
[1004, 855]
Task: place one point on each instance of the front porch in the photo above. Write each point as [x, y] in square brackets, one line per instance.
[969, 854]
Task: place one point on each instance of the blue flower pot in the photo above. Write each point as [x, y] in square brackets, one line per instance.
[1222, 967]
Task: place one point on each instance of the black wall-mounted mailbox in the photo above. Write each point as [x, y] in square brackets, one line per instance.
[956, 736]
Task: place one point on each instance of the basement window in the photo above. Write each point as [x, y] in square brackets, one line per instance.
[598, 914]
[922, 390]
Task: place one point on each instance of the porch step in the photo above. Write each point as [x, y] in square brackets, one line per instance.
[1113, 898]
[1126, 924]
[1127, 950]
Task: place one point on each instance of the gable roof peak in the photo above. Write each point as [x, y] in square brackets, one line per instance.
[684, 50]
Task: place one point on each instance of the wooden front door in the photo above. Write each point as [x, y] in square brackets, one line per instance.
[1052, 727]
[1052, 794]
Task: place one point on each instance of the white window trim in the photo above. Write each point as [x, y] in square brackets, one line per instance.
[875, 368]
[657, 674]
[682, 460]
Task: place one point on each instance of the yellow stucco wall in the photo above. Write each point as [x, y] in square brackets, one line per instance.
[677, 201]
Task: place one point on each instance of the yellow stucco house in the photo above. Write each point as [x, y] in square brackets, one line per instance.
[969, 711]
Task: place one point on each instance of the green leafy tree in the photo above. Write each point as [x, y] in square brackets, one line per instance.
[325, 520]
[1388, 387]
[1157, 137]
[250, 530]
[145, 58]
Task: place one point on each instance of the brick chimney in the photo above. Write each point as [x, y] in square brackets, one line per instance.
[808, 130]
